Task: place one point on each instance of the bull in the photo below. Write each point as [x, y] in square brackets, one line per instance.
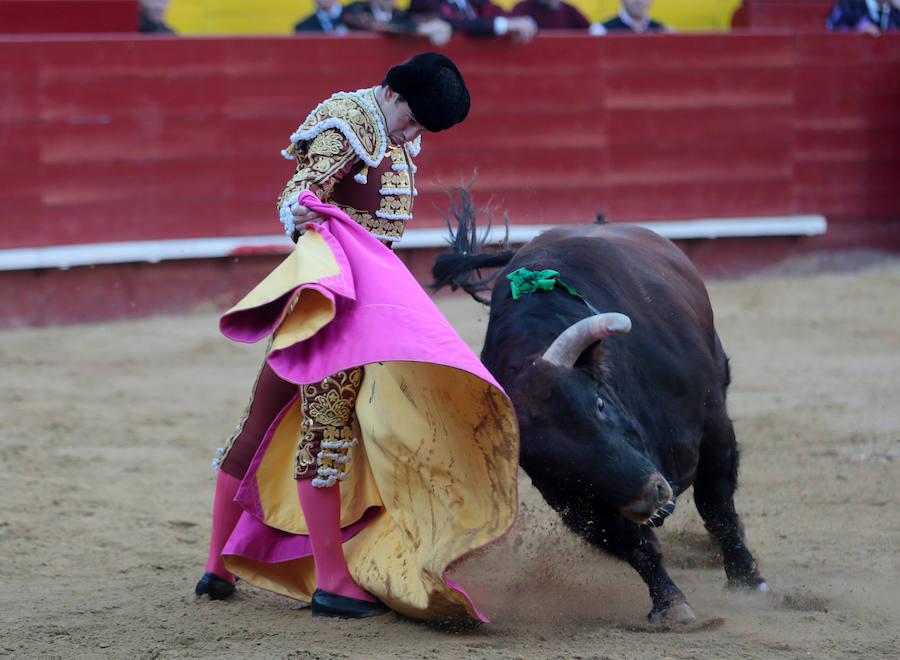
[619, 380]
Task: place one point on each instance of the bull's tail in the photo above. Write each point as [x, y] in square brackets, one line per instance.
[460, 271]
[460, 267]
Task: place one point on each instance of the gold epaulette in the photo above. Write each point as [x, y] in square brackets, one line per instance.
[356, 116]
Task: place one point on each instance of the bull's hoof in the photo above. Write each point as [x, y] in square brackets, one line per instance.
[756, 584]
[673, 615]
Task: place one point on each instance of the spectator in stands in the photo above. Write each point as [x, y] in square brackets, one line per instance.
[634, 16]
[480, 18]
[326, 18]
[383, 16]
[872, 16]
[552, 14]
[152, 15]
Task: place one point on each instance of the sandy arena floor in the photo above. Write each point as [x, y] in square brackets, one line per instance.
[107, 431]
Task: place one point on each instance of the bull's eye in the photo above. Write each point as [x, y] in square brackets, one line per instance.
[600, 403]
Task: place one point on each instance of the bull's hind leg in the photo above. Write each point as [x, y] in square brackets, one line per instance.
[714, 488]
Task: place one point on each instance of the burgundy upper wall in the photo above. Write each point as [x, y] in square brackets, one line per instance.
[68, 16]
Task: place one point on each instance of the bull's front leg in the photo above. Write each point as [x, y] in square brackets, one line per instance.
[638, 545]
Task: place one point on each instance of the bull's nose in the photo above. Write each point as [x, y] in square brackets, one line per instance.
[663, 492]
[655, 494]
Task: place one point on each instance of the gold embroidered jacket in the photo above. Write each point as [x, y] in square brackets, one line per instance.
[345, 158]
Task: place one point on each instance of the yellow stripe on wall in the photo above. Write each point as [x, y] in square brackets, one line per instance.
[237, 16]
[280, 16]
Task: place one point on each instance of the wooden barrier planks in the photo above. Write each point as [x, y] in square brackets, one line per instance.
[112, 138]
[848, 128]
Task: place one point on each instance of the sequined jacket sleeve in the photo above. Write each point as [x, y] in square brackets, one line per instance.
[321, 163]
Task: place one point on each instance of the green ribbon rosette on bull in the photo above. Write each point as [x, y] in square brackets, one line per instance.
[524, 281]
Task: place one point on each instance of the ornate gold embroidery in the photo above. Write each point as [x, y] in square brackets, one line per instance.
[326, 432]
[397, 191]
[382, 227]
[400, 157]
[361, 217]
[387, 227]
[306, 460]
[329, 408]
[399, 205]
[392, 179]
[328, 143]
[401, 177]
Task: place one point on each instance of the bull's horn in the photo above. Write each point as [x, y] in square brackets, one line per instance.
[566, 348]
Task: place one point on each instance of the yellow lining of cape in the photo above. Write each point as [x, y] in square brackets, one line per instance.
[278, 488]
[306, 311]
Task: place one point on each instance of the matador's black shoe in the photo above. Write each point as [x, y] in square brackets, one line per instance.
[325, 603]
[217, 588]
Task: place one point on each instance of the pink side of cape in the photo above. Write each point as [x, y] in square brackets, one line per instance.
[380, 307]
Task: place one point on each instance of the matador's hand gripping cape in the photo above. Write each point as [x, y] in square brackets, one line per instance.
[434, 474]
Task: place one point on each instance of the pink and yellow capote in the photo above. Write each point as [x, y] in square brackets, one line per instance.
[433, 476]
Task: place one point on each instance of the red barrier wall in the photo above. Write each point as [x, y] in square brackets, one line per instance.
[113, 138]
[121, 139]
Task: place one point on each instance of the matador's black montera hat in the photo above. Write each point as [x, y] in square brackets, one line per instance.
[434, 89]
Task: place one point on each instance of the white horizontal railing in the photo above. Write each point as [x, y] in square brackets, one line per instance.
[794, 225]
[92, 254]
